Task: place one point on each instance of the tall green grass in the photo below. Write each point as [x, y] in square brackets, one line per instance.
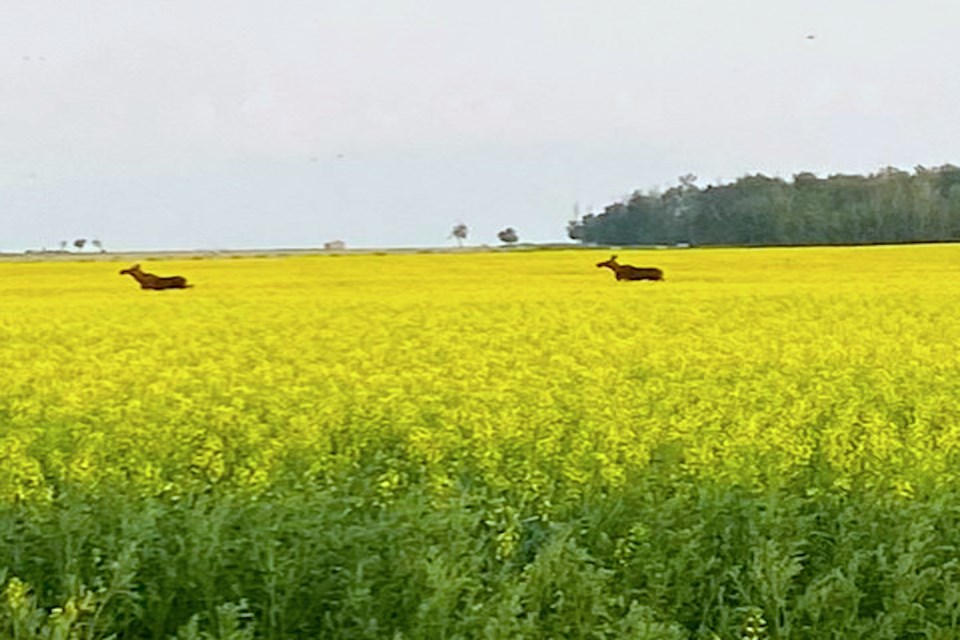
[655, 560]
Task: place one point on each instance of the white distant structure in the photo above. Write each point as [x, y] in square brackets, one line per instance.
[335, 245]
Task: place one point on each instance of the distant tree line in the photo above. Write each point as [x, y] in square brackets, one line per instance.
[888, 206]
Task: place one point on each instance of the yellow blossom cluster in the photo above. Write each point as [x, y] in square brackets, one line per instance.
[530, 370]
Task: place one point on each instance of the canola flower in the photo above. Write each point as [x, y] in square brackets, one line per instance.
[531, 371]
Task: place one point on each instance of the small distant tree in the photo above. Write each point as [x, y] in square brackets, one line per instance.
[460, 233]
[80, 243]
[98, 245]
[508, 235]
[63, 245]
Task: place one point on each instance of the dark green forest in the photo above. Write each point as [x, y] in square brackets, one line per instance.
[889, 206]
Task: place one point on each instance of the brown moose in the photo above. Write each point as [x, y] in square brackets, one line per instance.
[629, 272]
[150, 281]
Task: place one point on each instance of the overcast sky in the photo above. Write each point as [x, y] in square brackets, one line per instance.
[286, 123]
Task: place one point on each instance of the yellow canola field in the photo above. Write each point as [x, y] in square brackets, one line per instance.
[533, 371]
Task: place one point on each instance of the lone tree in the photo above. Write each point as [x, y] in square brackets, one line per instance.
[460, 233]
[98, 245]
[80, 243]
[508, 235]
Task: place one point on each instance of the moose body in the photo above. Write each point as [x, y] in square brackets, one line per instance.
[629, 272]
[150, 281]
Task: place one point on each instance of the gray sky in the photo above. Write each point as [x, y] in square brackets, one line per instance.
[281, 123]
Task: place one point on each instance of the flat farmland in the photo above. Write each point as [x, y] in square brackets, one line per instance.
[484, 445]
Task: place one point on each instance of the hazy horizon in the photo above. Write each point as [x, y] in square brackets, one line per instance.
[176, 125]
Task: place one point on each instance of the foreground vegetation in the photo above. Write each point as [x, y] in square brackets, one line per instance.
[484, 446]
